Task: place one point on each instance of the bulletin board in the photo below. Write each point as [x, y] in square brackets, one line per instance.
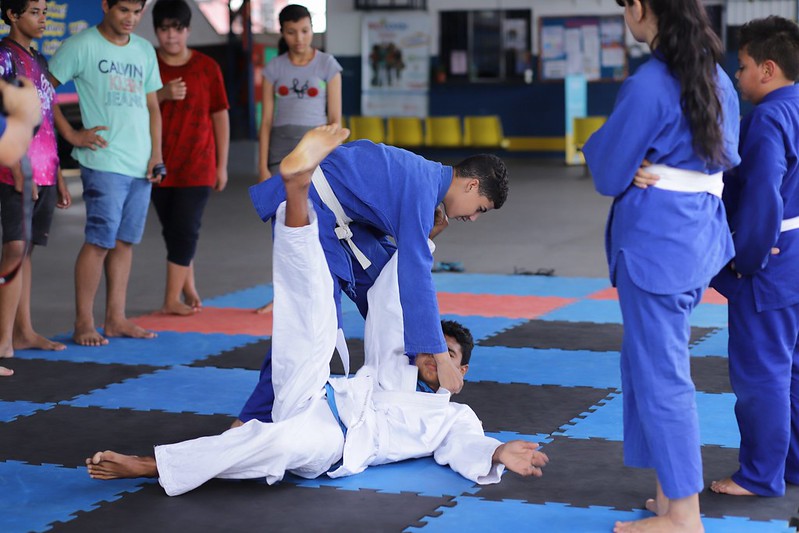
[592, 46]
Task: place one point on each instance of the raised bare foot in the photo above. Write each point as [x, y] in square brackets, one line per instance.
[728, 486]
[178, 308]
[33, 341]
[112, 465]
[264, 309]
[658, 524]
[236, 423]
[311, 150]
[5, 372]
[88, 336]
[126, 328]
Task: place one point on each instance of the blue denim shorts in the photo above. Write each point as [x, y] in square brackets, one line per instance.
[116, 207]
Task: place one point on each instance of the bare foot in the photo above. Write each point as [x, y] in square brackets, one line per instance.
[264, 309]
[311, 150]
[658, 524]
[652, 506]
[178, 308]
[126, 328]
[728, 486]
[236, 423]
[192, 299]
[5, 372]
[34, 341]
[112, 465]
[88, 336]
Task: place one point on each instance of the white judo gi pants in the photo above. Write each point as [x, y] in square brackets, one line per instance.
[305, 437]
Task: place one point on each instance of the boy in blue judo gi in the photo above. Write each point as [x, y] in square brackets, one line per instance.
[679, 111]
[367, 195]
[762, 282]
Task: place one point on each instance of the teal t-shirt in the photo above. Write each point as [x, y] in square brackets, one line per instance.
[112, 83]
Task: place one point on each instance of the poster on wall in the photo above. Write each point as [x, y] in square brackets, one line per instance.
[395, 64]
[64, 19]
[590, 46]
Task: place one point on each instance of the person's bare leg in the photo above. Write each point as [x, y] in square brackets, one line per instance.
[264, 309]
[190, 295]
[9, 296]
[117, 273]
[659, 504]
[730, 487]
[112, 465]
[175, 281]
[682, 517]
[298, 166]
[25, 337]
[88, 271]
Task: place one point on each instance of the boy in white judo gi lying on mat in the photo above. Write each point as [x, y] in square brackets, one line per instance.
[374, 418]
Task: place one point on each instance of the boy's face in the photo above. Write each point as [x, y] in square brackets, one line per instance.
[749, 76]
[172, 38]
[123, 18]
[465, 203]
[298, 35]
[31, 22]
[428, 369]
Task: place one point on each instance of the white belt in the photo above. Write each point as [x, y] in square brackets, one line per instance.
[343, 231]
[789, 224]
[676, 179]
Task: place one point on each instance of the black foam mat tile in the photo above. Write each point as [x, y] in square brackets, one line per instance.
[527, 409]
[226, 506]
[710, 374]
[563, 335]
[68, 435]
[45, 381]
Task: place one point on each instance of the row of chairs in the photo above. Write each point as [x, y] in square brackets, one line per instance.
[433, 132]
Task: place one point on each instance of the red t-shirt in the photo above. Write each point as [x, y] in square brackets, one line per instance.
[187, 131]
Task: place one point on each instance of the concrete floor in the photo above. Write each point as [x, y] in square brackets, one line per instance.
[553, 219]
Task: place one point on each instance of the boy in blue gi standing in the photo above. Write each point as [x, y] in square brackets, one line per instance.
[387, 193]
[762, 282]
[678, 111]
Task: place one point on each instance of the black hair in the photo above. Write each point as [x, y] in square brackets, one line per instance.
[290, 13]
[112, 3]
[492, 173]
[462, 335]
[773, 38]
[17, 7]
[177, 11]
[691, 50]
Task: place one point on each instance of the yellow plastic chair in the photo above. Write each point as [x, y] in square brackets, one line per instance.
[443, 132]
[404, 131]
[584, 127]
[371, 128]
[483, 132]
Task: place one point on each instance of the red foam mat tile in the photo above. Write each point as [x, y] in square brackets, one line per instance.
[711, 296]
[230, 321]
[491, 305]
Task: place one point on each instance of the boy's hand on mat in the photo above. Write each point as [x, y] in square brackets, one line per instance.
[521, 457]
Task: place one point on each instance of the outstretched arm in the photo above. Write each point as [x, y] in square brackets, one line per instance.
[521, 457]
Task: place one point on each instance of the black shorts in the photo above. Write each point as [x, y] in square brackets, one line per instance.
[11, 214]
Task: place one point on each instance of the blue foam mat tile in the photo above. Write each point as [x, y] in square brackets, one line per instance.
[505, 436]
[545, 367]
[423, 476]
[483, 327]
[59, 493]
[717, 425]
[251, 298]
[502, 284]
[473, 514]
[710, 316]
[599, 311]
[714, 344]
[169, 348]
[181, 389]
[352, 324]
[10, 411]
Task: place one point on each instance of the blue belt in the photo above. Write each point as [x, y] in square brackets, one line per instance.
[331, 401]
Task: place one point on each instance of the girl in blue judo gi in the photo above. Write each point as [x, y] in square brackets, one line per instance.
[373, 200]
[679, 111]
[762, 283]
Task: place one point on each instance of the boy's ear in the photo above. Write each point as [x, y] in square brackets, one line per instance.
[464, 369]
[769, 70]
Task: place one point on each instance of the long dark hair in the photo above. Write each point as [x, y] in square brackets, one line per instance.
[691, 50]
[290, 13]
